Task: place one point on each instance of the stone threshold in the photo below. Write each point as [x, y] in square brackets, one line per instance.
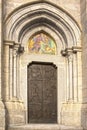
[44, 127]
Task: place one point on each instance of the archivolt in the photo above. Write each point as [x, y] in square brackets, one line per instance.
[38, 14]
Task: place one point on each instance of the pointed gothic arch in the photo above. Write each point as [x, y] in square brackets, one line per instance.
[33, 15]
[36, 17]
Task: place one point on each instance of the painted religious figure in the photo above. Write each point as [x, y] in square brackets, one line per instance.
[42, 43]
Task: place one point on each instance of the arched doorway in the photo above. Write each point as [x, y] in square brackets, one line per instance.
[24, 23]
[42, 92]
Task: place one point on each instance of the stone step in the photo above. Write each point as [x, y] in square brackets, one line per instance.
[44, 127]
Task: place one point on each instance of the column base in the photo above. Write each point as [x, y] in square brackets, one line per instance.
[2, 116]
[71, 114]
[15, 112]
[74, 114]
[84, 116]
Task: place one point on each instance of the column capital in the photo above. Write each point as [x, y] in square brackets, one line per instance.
[76, 49]
[69, 51]
[66, 52]
[9, 43]
[12, 43]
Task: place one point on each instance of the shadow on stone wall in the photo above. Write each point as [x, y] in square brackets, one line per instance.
[84, 64]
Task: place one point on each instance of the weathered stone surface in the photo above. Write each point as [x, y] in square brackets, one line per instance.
[67, 25]
[44, 127]
[15, 112]
[2, 116]
[72, 7]
[71, 114]
[2, 109]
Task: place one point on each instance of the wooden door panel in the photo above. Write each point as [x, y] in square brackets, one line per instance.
[49, 91]
[35, 113]
[35, 72]
[50, 72]
[35, 92]
[49, 113]
[42, 95]
[50, 101]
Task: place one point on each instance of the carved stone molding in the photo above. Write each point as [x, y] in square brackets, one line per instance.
[72, 50]
[23, 20]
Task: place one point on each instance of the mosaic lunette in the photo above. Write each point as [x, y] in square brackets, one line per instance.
[42, 44]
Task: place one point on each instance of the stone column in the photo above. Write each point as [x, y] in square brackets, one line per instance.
[7, 70]
[19, 52]
[65, 53]
[77, 72]
[70, 61]
[75, 77]
[11, 73]
[14, 74]
[69, 70]
[6, 66]
[73, 107]
[13, 107]
[67, 78]
[18, 76]
[80, 87]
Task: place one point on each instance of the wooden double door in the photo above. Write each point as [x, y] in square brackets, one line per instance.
[42, 93]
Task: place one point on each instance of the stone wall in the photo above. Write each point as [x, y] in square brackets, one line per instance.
[72, 7]
[2, 110]
[84, 43]
[84, 61]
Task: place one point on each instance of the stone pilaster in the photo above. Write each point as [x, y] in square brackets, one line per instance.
[70, 61]
[14, 75]
[74, 73]
[6, 66]
[18, 76]
[77, 73]
[17, 51]
[69, 67]
[11, 73]
[67, 79]
[15, 112]
[75, 77]
[72, 106]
